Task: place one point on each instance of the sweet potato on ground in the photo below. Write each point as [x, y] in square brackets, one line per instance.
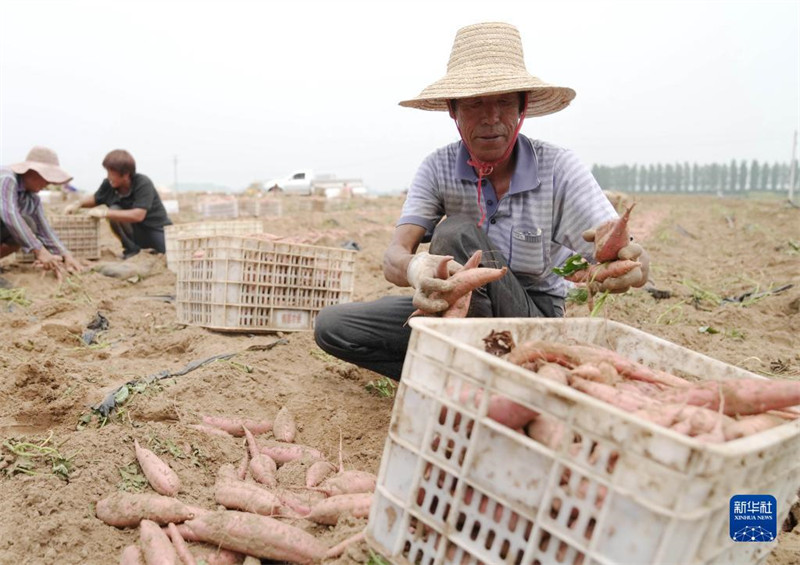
[126, 510]
[349, 482]
[156, 546]
[256, 535]
[284, 427]
[181, 548]
[132, 555]
[160, 475]
[235, 426]
[262, 466]
[331, 509]
[318, 472]
[285, 452]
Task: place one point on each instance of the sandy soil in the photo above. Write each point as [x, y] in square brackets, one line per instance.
[700, 246]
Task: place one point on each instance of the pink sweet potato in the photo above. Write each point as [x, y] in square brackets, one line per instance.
[547, 430]
[160, 476]
[501, 409]
[603, 271]
[156, 546]
[749, 425]
[318, 472]
[235, 426]
[256, 535]
[132, 555]
[331, 509]
[611, 237]
[338, 549]
[210, 430]
[627, 400]
[181, 548]
[262, 466]
[284, 427]
[349, 482]
[249, 497]
[126, 510]
[740, 396]
[285, 452]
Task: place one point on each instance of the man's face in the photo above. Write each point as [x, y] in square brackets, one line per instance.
[487, 123]
[33, 181]
[118, 182]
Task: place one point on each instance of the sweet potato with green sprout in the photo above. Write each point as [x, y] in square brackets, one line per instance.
[126, 510]
[256, 535]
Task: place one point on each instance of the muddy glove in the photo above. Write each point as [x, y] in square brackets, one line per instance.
[99, 212]
[428, 274]
[72, 208]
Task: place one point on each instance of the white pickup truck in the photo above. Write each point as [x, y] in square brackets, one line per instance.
[307, 183]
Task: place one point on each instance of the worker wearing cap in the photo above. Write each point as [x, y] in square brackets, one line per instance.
[23, 224]
[526, 204]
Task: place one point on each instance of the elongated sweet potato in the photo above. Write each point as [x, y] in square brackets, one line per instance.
[126, 510]
[740, 397]
[235, 426]
[239, 495]
[330, 510]
[603, 271]
[256, 535]
[349, 482]
[338, 549]
[284, 427]
[181, 548]
[160, 476]
[285, 452]
[262, 466]
[749, 425]
[156, 546]
[611, 237]
[210, 430]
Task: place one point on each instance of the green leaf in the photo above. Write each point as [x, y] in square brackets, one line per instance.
[122, 395]
[572, 265]
[708, 330]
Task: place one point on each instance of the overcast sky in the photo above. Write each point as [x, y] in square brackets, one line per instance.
[242, 91]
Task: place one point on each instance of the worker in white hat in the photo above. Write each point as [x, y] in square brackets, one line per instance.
[526, 204]
[23, 224]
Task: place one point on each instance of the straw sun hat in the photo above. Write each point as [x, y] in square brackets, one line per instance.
[487, 59]
[45, 162]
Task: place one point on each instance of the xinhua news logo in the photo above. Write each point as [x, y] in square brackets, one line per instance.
[754, 518]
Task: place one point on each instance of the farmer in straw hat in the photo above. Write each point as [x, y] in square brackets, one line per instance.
[525, 203]
[23, 224]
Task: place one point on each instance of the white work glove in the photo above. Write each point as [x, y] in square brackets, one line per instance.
[99, 212]
[428, 274]
[72, 208]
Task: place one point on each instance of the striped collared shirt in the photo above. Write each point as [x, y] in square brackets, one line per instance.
[17, 203]
[536, 225]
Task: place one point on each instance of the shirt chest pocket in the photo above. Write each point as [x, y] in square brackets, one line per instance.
[527, 250]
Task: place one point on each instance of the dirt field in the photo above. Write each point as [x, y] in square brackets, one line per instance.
[703, 249]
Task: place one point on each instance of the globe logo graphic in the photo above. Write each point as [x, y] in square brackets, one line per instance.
[752, 533]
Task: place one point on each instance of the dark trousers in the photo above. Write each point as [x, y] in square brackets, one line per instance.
[373, 334]
[135, 237]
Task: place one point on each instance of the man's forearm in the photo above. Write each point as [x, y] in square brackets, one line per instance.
[395, 265]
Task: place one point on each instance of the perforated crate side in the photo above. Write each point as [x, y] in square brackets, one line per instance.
[247, 284]
[203, 229]
[80, 234]
[613, 490]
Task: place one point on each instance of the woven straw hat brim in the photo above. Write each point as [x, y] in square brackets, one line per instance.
[543, 98]
[51, 173]
[487, 59]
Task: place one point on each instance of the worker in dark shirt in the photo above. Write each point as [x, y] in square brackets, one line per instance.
[130, 203]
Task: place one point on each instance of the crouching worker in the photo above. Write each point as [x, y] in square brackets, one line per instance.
[526, 204]
[23, 225]
[131, 204]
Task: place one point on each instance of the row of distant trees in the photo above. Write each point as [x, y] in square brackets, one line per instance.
[683, 177]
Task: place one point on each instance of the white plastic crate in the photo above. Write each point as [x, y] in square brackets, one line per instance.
[457, 487]
[230, 283]
[79, 233]
[259, 207]
[218, 206]
[203, 229]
